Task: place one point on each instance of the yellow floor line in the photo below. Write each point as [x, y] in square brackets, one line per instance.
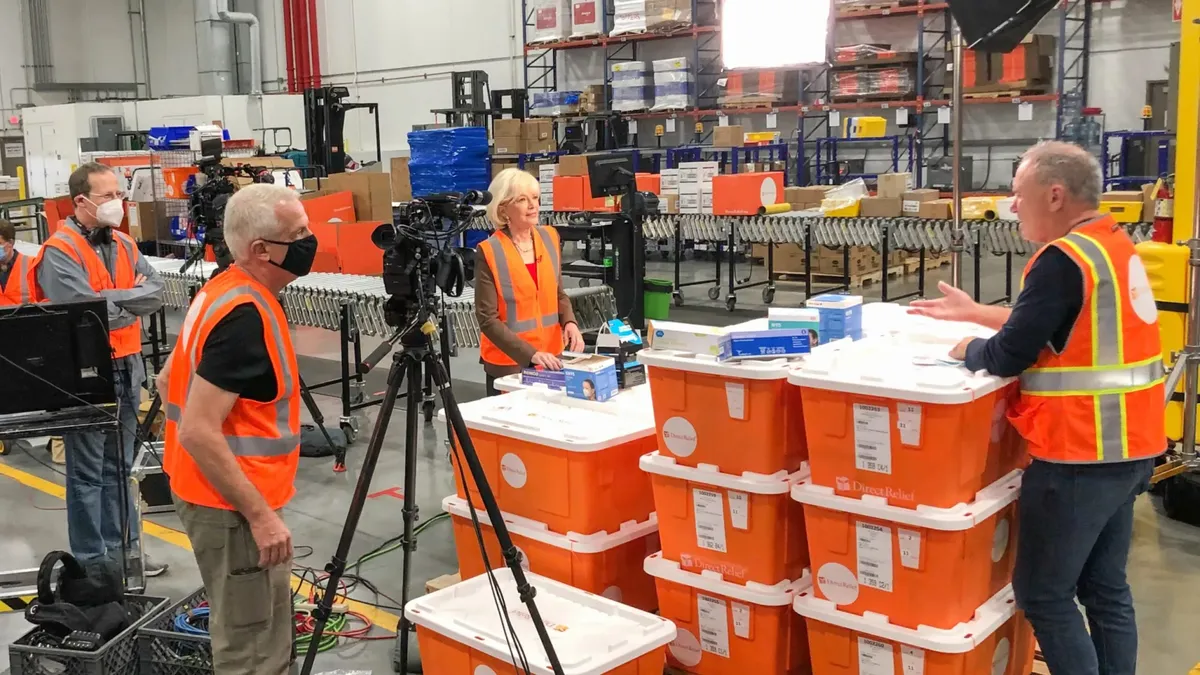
[380, 617]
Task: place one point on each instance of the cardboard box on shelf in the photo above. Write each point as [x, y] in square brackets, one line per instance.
[537, 135]
[789, 258]
[670, 181]
[591, 99]
[669, 203]
[1029, 62]
[1123, 196]
[401, 180]
[498, 166]
[881, 207]
[798, 196]
[728, 137]
[745, 194]
[507, 128]
[508, 145]
[862, 260]
[894, 184]
[148, 221]
[937, 209]
[372, 193]
[573, 165]
[911, 200]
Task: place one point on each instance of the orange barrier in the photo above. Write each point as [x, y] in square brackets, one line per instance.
[996, 641]
[730, 629]
[606, 564]
[568, 463]
[744, 528]
[923, 567]
[704, 409]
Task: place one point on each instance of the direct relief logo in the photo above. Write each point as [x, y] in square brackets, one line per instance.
[513, 470]
[844, 484]
[679, 436]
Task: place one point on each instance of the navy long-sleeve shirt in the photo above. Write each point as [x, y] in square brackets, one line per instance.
[1044, 314]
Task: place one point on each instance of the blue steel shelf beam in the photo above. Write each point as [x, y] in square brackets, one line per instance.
[1074, 57]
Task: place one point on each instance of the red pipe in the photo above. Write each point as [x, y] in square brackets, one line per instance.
[289, 46]
[300, 14]
[314, 45]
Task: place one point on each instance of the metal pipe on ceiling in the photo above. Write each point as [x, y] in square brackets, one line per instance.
[300, 16]
[314, 43]
[289, 45]
[246, 19]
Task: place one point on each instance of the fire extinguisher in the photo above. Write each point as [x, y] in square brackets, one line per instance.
[1164, 210]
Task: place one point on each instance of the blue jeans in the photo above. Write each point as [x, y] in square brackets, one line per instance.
[1076, 526]
[94, 476]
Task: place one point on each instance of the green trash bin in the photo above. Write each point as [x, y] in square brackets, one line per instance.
[656, 298]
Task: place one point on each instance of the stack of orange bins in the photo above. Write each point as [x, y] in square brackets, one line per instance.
[730, 449]
[911, 509]
[565, 475]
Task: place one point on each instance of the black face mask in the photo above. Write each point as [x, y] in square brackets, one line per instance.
[300, 255]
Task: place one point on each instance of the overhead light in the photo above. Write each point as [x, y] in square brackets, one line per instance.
[774, 33]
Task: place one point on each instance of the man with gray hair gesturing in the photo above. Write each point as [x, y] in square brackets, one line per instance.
[233, 430]
[1083, 337]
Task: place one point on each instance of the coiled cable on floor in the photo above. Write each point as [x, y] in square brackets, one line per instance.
[193, 622]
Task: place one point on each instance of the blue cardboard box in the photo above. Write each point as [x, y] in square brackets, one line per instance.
[556, 380]
[592, 378]
[788, 318]
[841, 316]
[765, 344]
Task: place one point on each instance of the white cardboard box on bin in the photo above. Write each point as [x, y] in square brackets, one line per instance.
[592, 635]
[555, 420]
[597, 542]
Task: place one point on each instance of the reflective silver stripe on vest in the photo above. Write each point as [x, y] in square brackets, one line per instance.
[1106, 303]
[130, 249]
[504, 284]
[1085, 382]
[23, 271]
[551, 319]
[253, 446]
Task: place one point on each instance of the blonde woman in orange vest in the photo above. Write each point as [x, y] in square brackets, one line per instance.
[524, 315]
[1083, 338]
[233, 430]
[88, 258]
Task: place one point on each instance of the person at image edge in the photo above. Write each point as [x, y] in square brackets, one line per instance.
[523, 312]
[1083, 338]
[233, 430]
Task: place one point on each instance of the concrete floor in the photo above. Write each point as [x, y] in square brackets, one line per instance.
[1164, 566]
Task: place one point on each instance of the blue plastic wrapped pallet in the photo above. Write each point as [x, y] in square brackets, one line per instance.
[448, 160]
[555, 103]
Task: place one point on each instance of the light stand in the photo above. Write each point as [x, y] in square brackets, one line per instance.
[958, 236]
[417, 352]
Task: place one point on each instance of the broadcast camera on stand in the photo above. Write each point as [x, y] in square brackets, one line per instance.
[419, 264]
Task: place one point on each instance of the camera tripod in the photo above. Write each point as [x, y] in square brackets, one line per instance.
[417, 356]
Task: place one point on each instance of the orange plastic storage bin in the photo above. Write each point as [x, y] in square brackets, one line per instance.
[177, 181]
[730, 629]
[740, 416]
[565, 462]
[460, 631]
[605, 564]
[745, 528]
[890, 416]
[996, 641]
[918, 567]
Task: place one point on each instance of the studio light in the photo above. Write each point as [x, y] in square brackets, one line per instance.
[774, 33]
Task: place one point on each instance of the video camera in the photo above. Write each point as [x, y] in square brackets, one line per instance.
[419, 258]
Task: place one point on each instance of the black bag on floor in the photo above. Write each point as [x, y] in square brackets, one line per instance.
[89, 597]
[312, 441]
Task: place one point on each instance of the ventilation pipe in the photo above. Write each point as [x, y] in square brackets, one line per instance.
[247, 19]
[214, 50]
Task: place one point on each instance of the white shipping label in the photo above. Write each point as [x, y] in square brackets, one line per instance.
[875, 657]
[908, 423]
[901, 117]
[1024, 112]
[872, 438]
[633, 126]
[741, 620]
[910, 547]
[722, 121]
[912, 659]
[710, 519]
[735, 398]
[739, 510]
[875, 556]
[943, 115]
[670, 125]
[772, 120]
[714, 625]
[835, 118]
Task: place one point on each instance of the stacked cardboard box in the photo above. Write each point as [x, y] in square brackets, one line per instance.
[639, 16]
[696, 186]
[632, 86]
[805, 198]
[760, 88]
[673, 82]
[551, 20]
[1028, 66]
[546, 174]
[514, 137]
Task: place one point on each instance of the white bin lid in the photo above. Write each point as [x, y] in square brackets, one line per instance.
[779, 595]
[598, 542]
[912, 364]
[987, 503]
[592, 635]
[958, 640]
[555, 420]
[754, 483]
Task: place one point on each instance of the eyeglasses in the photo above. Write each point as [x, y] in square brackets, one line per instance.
[524, 201]
[109, 196]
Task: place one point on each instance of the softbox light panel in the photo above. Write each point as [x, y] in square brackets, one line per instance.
[998, 25]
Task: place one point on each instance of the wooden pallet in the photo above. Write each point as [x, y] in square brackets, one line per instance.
[858, 280]
[913, 265]
[872, 7]
[1008, 93]
[875, 98]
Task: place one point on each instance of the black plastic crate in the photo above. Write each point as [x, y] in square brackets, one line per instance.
[164, 651]
[118, 656]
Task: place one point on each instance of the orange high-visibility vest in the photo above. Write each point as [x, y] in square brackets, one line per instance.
[17, 290]
[264, 437]
[1100, 399]
[124, 341]
[530, 310]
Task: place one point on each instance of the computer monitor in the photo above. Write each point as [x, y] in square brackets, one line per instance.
[611, 173]
[55, 356]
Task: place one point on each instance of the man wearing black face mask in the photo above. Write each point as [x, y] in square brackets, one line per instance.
[85, 260]
[233, 430]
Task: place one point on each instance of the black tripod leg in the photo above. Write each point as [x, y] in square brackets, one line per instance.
[511, 557]
[339, 454]
[337, 566]
[412, 424]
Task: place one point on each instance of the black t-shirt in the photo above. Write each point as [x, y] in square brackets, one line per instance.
[235, 357]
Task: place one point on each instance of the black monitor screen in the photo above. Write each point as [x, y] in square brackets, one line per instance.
[54, 356]
[610, 173]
